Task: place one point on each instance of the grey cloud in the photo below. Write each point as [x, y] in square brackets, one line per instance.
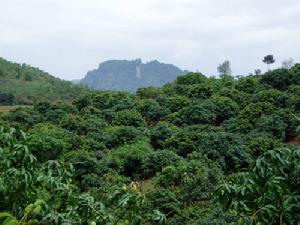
[69, 37]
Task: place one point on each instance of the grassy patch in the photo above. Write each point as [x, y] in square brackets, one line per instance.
[146, 185]
[4, 108]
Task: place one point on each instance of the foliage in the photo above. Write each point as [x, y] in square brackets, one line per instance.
[23, 178]
[225, 148]
[120, 135]
[272, 124]
[190, 79]
[269, 192]
[165, 200]
[269, 59]
[280, 78]
[224, 68]
[156, 161]
[254, 111]
[148, 92]
[225, 108]
[151, 110]
[247, 84]
[160, 156]
[202, 113]
[192, 180]
[129, 118]
[200, 91]
[160, 133]
[131, 158]
[48, 142]
[174, 103]
[8, 99]
[56, 201]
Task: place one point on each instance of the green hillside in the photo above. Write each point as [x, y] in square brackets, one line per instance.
[197, 151]
[24, 84]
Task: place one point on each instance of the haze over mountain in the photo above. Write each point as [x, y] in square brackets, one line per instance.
[129, 75]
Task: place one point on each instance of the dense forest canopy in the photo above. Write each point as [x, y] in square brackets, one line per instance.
[24, 84]
[197, 151]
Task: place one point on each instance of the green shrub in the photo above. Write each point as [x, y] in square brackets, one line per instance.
[156, 161]
[279, 78]
[269, 192]
[131, 158]
[160, 133]
[129, 118]
[199, 91]
[48, 142]
[119, 135]
[201, 113]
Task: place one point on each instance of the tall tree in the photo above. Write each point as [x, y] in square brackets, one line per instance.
[269, 59]
[257, 72]
[288, 63]
[224, 68]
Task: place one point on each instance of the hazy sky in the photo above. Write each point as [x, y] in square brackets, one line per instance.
[69, 37]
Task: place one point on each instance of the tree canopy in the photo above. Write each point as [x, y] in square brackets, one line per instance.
[199, 150]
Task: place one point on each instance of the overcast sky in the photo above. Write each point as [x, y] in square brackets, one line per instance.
[69, 37]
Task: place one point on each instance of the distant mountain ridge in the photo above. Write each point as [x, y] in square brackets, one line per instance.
[129, 75]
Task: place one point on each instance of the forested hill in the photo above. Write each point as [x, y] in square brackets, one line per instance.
[24, 84]
[125, 75]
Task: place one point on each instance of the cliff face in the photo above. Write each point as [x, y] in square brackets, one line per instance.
[128, 75]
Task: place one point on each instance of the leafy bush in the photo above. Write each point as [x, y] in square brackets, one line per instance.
[174, 103]
[192, 180]
[237, 125]
[191, 78]
[120, 135]
[225, 108]
[165, 200]
[129, 118]
[254, 111]
[54, 198]
[272, 124]
[201, 113]
[22, 178]
[200, 91]
[156, 161]
[151, 110]
[48, 142]
[269, 192]
[235, 95]
[247, 84]
[86, 166]
[148, 92]
[280, 78]
[182, 142]
[131, 158]
[160, 133]
[260, 142]
[227, 149]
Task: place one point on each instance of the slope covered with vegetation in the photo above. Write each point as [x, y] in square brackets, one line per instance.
[125, 75]
[23, 84]
[199, 150]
